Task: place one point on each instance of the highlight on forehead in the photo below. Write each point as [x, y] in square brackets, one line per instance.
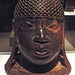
[39, 8]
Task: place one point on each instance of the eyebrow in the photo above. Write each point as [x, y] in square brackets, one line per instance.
[29, 22]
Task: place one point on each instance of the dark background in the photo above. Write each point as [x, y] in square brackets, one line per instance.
[7, 12]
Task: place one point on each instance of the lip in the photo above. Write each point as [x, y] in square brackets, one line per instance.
[42, 53]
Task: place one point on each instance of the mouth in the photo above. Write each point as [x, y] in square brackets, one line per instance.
[42, 53]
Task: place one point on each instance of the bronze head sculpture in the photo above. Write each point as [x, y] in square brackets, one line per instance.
[38, 39]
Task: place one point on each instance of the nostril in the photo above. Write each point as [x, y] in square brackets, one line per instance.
[41, 40]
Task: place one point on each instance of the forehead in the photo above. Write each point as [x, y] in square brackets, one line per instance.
[35, 19]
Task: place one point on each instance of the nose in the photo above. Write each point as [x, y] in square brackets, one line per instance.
[40, 40]
[41, 33]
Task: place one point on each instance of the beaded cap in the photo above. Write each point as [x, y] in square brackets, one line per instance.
[39, 8]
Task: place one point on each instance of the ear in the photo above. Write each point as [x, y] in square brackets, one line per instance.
[63, 24]
[61, 58]
[15, 27]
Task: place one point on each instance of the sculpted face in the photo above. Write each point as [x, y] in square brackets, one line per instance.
[39, 39]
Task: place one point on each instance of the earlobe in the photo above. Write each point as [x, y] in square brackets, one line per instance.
[62, 46]
[63, 37]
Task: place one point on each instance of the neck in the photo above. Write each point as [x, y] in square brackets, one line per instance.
[34, 68]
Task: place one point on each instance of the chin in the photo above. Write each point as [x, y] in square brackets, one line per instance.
[40, 60]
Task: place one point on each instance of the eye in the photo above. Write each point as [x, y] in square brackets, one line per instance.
[52, 26]
[30, 26]
[26, 26]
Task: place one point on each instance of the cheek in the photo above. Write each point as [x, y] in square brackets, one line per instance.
[58, 35]
[58, 40]
[25, 38]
